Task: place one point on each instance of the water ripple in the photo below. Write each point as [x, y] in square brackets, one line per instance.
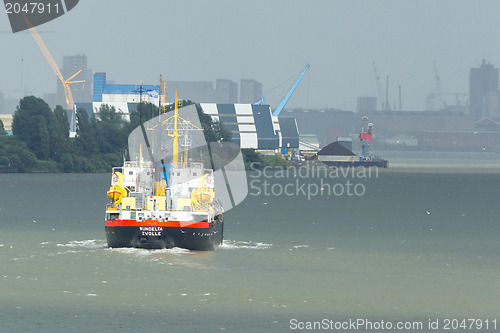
[235, 245]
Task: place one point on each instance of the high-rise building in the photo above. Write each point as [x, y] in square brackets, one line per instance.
[250, 91]
[484, 95]
[195, 91]
[226, 91]
[82, 92]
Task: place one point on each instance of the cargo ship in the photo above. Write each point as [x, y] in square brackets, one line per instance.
[164, 199]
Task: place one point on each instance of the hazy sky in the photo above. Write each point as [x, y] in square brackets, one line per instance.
[269, 41]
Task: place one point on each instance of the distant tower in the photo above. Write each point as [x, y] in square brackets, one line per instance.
[484, 95]
[226, 91]
[250, 91]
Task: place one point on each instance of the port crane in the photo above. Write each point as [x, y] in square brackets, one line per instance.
[261, 101]
[384, 102]
[290, 92]
[439, 91]
[65, 82]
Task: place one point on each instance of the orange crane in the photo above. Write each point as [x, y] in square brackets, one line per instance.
[67, 91]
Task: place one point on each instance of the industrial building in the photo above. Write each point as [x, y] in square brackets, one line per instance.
[484, 94]
[433, 130]
[253, 126]
[7, 121]
[250, 91]
[123, 97]
[395, 122]
[366, 104]
[7, 105]
[226, 91]
[325, 124]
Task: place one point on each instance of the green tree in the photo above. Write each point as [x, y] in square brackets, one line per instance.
[42, 136]
[60, 143]
[85, 133]
[111, 130]
[148, 111]
[108, 114]
[214, 130]
[2, 129]
[251, 156]
[13, 152]
[67, 162]
[31, 123]
[41, 141]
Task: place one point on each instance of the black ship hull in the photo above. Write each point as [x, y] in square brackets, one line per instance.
[202, 236]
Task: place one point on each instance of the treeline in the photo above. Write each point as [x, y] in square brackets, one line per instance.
[253, 160]
[41, 141]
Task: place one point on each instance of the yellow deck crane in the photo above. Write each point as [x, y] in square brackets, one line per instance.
[67, 91]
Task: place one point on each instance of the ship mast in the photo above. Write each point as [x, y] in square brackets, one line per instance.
[146, 140]
[175, 133]
[177, 126]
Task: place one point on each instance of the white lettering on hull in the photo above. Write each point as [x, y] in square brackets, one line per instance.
[151, 231]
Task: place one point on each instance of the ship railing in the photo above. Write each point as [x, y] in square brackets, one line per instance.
[119, 169]
[110, 206]
[180, 165]
[137, 164]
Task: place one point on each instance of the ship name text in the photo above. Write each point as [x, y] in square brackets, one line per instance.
[151, 231]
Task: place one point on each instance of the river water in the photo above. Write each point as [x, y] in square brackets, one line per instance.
[406, 244]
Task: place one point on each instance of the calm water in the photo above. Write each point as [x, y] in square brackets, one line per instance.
[417, 244]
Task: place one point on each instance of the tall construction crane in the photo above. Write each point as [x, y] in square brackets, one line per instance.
[379, 88]
[439, 91]
[287, 97]
[67, 91]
